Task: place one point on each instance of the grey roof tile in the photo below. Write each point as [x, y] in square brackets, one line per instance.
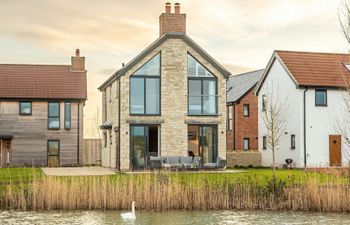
[238, 85]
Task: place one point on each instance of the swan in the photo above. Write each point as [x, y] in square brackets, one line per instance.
[130, 215]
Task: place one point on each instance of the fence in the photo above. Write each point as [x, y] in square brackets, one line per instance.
[92, 151]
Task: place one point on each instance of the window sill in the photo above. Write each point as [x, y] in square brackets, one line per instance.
[321, 105]
[25, 114]
[53, 128]
[145, 114]
[214, 115]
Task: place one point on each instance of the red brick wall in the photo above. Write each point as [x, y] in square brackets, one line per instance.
[244, 127]
[171, 22]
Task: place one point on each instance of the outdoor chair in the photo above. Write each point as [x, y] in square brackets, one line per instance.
[187, 162]
[155, 162]
[171, 162]
[220, 163]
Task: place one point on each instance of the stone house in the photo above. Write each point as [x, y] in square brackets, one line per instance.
[313, 88]
[170, 100]
[41, 113]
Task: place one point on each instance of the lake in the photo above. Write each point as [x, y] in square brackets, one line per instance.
[173, 218]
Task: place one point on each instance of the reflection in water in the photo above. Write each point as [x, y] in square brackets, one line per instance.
[173, 218]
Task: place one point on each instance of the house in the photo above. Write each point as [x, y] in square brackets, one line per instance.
[170, 100]
[41, 113]
[310, 87]
[242, 114]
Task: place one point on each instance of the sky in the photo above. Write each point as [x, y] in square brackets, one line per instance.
[241, 35]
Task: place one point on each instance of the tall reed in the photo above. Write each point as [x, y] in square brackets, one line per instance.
[167, 191]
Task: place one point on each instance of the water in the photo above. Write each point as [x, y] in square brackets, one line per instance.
[173, 218]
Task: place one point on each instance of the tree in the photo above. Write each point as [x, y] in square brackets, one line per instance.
[274, 116]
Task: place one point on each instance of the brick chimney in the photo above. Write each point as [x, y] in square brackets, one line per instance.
[78, 62]
[172, 22]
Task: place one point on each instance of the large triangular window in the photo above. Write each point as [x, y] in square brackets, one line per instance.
[195, 69]
[202, 89]
[150, 68]
[145, 88]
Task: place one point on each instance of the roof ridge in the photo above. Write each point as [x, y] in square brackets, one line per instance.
[325, 53]
[240, 74]
[24, 64]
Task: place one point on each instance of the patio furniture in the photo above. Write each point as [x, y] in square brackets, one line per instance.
[171, 162]
[220, 163]
[187, 162]
[197, 161]
[155, 162]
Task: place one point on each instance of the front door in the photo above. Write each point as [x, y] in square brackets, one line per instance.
[5, 146]
[335, 150]
[53, 153]
[143, 143]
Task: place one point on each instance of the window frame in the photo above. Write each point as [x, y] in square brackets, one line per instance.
[264, 144]
[20, 108]
[70, 115]
[213, 78]
[292, 141]
[230, 118]
[59, 116]
[144, 77]
[246, 139]
[248, 108]
[326, 97]
[263, 102]
[59, 151]
[105, 139]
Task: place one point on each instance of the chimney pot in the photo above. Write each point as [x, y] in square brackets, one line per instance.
[77, 52]
[168, 7]
[177, 8]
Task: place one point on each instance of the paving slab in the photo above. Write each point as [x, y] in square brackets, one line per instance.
[78, 171]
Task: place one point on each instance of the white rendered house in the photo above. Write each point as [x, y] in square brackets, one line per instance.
[313, 84]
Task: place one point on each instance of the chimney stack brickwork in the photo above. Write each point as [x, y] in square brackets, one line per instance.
[77, 62]
[172, 22]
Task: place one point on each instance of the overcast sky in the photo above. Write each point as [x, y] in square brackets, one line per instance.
[239, 34]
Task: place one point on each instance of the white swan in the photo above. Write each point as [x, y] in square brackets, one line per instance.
[130, 215]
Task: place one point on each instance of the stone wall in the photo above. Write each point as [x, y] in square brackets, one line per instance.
[243, 158]
[173, 128]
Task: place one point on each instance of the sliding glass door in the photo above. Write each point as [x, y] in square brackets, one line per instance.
[143, 144]
[202, 142]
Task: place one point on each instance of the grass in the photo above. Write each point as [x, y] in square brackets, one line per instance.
[19, 174]
[29, 189]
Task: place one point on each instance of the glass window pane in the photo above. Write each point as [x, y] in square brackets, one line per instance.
[209, 104]
[26, 107]
[195, 88]
[195, 69]
[54, 122]
[152, 96]
[67, 115]
[137, 95]
[151, 68]
[194, 105]
[321, 98]
[53, 148]
[209, 87]
[245, 144]
[54, 109]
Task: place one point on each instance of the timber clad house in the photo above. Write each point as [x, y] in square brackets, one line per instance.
[41, 113]
[315, 86]
[170, 100]
[242, 113]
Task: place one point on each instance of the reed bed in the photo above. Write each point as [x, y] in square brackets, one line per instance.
[169, 191]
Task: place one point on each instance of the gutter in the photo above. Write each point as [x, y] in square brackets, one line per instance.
[234, 125]
[118, 147]
[305, 161]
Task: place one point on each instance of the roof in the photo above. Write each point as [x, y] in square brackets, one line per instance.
[156, 44]
[239, 85]
[316, 69]
[26, 81]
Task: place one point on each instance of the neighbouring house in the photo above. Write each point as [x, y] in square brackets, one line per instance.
[41, 113]
[170, 100]
[311, 88]
[242, 120]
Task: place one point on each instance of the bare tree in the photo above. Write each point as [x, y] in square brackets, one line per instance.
[275, 112]
[342, 119]
[95, 124]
